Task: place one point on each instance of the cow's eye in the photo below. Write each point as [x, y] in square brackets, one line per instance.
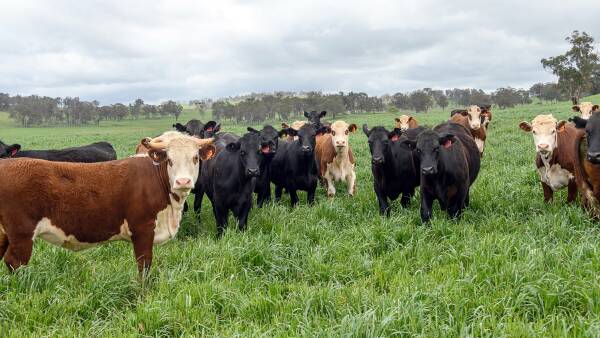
[195, 159]
[346, 132]
[243, 153]
[332, 133]
[533, 131]
[170, 162]
[553, 131]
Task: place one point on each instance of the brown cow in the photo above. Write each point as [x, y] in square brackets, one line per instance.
[405, 122]
[486, 114]
[471, 119]
[586, 109]
[334, 157]
[77, 205]
[587, 162]
[296, 125]
[555, 158]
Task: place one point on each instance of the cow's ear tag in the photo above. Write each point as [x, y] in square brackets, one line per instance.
[395, 137]
[265, 149]
[14, 152]
[447, 144]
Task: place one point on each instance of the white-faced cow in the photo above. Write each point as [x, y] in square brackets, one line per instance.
[405, 122]
[80, 205]
[334, 157]
[555, 158]
[586, 109]
[471, 119]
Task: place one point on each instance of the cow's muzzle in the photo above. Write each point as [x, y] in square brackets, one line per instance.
[429, 171]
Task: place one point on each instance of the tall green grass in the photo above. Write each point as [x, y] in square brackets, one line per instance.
[511, 266]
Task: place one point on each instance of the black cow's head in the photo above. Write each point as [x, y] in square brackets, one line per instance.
[428, 146]
[180, 128]
[210, 129]
[248, 147]
[380, 140]
[9, 150]
[269, 139]
[306, 137]
[592, 130]
[314, 117]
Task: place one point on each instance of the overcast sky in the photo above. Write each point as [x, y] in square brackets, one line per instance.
[117, 50]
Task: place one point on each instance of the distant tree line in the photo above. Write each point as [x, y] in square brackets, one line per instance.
[37, 110]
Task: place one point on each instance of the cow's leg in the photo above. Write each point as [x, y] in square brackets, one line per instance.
[142, 247]
[18, 251]
[384, 208]
[310, 194]
[456, 205]
[278, 191]
[351, 182]
[426, 204]
[198, 196]
[3, 243]
[264, 193]
[221, 214]
[571, 191]
[548, 193]
[293, 196]
[329, 184]
[242, 214]
[405, 199]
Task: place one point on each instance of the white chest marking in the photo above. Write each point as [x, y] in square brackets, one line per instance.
[480, 144]
[555, 177]
[167, 221]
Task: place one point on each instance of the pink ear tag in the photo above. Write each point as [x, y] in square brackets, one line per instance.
[447, 144]
[13, 152]
[265, 149]
[395, 137]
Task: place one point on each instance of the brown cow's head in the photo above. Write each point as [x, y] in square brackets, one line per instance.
[586, 109]
[339, 134]
[474, 115]
[405, 122]
[182, 154]
[544, 129]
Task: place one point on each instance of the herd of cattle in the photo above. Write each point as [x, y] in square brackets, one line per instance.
[81, 197]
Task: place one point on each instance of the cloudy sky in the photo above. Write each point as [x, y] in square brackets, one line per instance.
[118, 50]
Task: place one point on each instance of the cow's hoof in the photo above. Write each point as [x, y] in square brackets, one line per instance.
[330, 195]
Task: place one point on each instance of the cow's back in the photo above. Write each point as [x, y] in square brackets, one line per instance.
[467, 143]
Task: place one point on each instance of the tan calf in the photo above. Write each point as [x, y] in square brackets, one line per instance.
[586, 109]
[296, 125]
[405, 122]
[334, 157]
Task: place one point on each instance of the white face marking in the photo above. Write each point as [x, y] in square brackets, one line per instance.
[339, 136]
[585, 108]
[543, 128]
[474, 114]
[183, 164]
[402, 122]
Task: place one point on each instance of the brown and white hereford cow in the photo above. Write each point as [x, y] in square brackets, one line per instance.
[555, 155]
[77, 205]
[586, 109]
[405, 122]
[334, 157]
[486, 115]
[471, 119]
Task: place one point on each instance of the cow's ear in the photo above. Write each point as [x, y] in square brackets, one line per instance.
[157, 155]
[560, 126]
[12, 150]
[397, 119]
[352, 128]
[525, 126]
[210, 126]
[575, 108]
[233, 146]
[323, 130]
[410, 143]
[447, 140]
[284, 125]
[366, 129]
[207, 152]
[288, 132]
[395, 134]
[464, 113]
[579, 122]
[595, 108]
[323, 113]
[306, 114]
[252, 130]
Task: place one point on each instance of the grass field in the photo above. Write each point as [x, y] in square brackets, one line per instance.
[512, 266]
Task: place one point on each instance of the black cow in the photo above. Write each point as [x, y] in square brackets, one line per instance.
[294, 166]
[449, 164]
[394, 164]
[95, 152]
[315, 118]
[269, 144]
[197, 128]
[229, 179]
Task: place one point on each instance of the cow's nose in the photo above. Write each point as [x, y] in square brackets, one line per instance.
[543, 146]
[427, 170]
[340, 143]
[593, 156]
[252, 171]
[377, 160]
[306, 149]
[183, 181]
